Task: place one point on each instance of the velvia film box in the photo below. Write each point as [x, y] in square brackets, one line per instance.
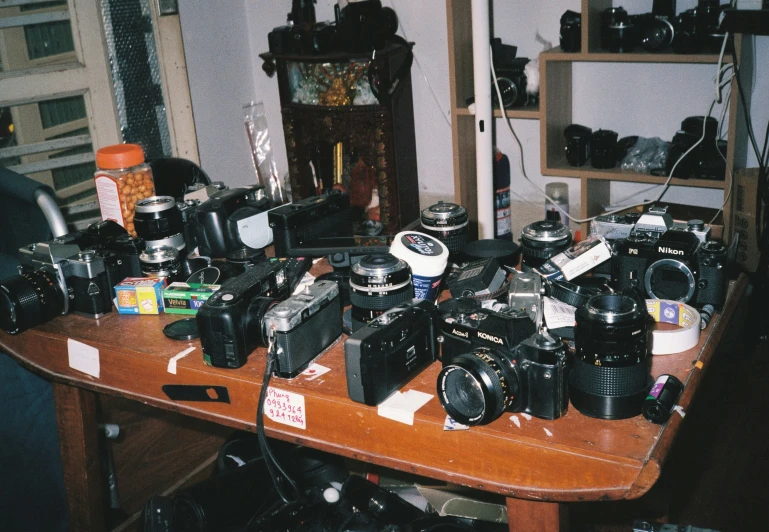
[186, 298]
[140, 295]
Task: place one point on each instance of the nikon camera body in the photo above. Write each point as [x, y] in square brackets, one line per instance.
[304, 325]
[230, 321]
[389, 351]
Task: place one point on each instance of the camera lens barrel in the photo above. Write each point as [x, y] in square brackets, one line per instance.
[542, 240]
[378, 283]
[447, 222]
[29, 299]
[610, 377]
[160, 262]
[159, 222]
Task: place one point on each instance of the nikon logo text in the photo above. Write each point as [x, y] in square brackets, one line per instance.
[460, 333]
[670, 251]
[495, 339]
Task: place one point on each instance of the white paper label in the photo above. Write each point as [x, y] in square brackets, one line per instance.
[83, 358]
[285, 407]
[109, 199]
[558, 314]
[315, 371]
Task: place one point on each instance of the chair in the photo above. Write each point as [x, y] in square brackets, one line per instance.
[32, 493]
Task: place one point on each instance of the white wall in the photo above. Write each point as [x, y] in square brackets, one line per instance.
[223, 39]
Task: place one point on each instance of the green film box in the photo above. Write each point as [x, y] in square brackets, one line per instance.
[184, 298]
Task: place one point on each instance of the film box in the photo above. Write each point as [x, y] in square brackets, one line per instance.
[184, 298]
[140, 295]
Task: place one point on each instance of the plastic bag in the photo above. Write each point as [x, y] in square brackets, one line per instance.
[261, 152]
[646, 155]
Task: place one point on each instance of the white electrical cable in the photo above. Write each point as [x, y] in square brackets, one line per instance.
[665, 185]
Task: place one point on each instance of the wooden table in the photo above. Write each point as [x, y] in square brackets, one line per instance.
[537, 466]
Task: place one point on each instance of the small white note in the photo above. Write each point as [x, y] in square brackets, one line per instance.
[314, 371]
[285, 407]
[83, 358]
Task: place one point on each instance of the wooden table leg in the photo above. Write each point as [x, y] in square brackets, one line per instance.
[79, 444]
[528, 516]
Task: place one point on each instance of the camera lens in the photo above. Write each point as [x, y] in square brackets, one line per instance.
[159, 222]
[448, 223]
[603, 149]
[29, 299]
[476, 387]
[610, 379]
[378, 283]
[656, 34]
[541, 241]
[160, 262]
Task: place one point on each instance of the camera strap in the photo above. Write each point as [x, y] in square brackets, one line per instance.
[386, 89]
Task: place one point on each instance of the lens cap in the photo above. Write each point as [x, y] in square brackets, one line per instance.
[208, 275]
[185, 329]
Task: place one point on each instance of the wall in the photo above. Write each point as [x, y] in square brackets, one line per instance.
[223, 39]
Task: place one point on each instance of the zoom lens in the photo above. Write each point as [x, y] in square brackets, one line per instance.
[29, 299]
[541, 241]
[160, 262]
[378, 283]
[610, 377]
[447, 222]
[476, 387]
[159, 222]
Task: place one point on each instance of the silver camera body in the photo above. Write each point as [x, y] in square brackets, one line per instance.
[303, 325]
[655, 222]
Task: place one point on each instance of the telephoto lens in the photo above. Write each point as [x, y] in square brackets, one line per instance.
[30, 299]
[541, 241]
[159, 222]
[447, 222]
[378, 283]
[610, 377]
[161, 262]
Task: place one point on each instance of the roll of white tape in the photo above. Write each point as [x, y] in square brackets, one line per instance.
[676, 340]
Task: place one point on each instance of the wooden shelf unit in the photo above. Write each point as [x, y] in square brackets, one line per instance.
[555, 111]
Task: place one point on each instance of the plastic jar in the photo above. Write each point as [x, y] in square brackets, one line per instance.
[122, 178]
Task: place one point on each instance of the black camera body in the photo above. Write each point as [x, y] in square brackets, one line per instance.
[365, 26]
[303, 325]
[389, 351]
[511, 76]
[706, 160]
[533, 377]
[464, 324]
[305, 221]
[233, 219]
[230, 321]
[119, 249]
[673, 265]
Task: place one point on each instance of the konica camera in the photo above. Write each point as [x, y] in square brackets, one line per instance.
[389, 351]
[55, 277]
[670, 260]
[476, 386]
[464, 324]
[303, 325]
[230, 321]
[306, 221]
[233, 219]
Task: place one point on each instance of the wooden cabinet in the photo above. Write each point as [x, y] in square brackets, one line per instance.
[555, 111]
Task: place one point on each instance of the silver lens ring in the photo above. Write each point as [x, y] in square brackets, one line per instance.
[612, 308]
[155, 204]
[546, 231]
[676, 265]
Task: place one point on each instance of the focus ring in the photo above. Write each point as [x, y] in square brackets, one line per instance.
[380, 302]
[609, 381]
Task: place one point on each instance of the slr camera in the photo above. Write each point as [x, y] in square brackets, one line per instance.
[670, 260]
[464, 324]
[55, 277]
[230, 321]
[476, 386]
[112, 243]
[705, 161]
[303, 325]
[389, 351]
[233, 219]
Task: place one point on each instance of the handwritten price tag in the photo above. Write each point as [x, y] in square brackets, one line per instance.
[285, 407]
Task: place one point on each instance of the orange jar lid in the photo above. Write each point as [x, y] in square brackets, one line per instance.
[119, 156]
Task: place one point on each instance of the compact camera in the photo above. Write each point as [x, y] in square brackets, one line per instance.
[233, 219]
[304, 222]
[476, 386]
[55, 277]
[670, 260]
[303, 325]
[230, 321]
[464, 324]
[389, 351]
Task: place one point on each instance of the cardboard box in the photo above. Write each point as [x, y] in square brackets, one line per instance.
[184, 298]
[744, 218]
[140, 295]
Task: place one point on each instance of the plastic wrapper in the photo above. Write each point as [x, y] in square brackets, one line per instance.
[261, 152]
[646, 155]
